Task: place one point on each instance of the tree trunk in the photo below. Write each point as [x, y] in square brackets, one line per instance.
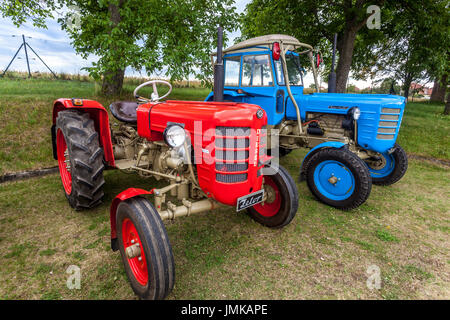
[439, 88]
[345, 47]
[113, 82]
[406, 86]
[113, 78]
[447, 105]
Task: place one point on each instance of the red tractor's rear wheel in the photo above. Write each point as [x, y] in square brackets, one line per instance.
[80, 159]
[145, 249]
[281, 203]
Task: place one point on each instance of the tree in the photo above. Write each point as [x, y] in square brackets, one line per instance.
[439, 89]
[155, 35]
[314, 22]
[414, 47]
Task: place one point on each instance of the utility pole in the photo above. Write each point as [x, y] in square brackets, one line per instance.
[26, 56]
[25, 45]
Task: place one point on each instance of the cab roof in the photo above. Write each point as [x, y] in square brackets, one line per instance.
[248, 45]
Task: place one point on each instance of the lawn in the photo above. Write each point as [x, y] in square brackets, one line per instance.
[323, 254]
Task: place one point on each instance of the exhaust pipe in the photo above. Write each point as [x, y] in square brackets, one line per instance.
[219, 70]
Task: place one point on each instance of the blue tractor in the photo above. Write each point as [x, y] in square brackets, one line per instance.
[352, 137]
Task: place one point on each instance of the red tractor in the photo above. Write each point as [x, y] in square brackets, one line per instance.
[210, 153]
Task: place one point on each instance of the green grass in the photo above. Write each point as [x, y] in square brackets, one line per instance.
[425, 130]
[323, 254]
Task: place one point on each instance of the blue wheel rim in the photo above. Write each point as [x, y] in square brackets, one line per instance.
[334, 180]
[386, 169]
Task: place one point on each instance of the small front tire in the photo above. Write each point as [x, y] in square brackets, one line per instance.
[281, 202]
[140, 230]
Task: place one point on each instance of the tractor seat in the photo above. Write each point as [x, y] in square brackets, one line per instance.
[124, 111]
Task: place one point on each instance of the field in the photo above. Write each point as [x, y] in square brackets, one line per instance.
[323, 254]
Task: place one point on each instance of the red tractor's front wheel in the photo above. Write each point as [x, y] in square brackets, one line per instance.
[145, 249]
[80, 159]
[281, 203]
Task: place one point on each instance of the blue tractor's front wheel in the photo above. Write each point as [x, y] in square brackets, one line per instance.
[338, 178]
[389, 167]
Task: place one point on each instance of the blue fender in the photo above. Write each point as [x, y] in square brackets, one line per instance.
[328, 144]
[227, 95]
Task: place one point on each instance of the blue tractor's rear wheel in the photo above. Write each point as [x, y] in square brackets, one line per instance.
[388, 167]
[338, 178]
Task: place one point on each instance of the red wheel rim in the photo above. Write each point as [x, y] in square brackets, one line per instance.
[66, 176]
[138, 265]
[271, 206]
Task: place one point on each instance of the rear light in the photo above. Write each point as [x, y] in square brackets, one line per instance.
[276, 51]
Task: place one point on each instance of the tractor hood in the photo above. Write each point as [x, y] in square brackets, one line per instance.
[378, 125]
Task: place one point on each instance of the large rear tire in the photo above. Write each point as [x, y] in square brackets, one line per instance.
[80, 159]
[151, 271]
[281, 203]
[338, 178]
[389, 167]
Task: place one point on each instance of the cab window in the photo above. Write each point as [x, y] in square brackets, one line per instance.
[294, 71]
[256, 71]
[232, 66]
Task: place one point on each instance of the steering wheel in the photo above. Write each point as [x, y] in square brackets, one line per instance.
[155, 96]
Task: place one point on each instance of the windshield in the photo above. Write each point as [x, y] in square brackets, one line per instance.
[294, 71]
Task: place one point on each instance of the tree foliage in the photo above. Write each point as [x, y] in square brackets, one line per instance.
[415, 45]
[170, 36]
[314, 22]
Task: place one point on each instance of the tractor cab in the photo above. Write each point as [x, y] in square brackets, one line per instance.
[254, 71]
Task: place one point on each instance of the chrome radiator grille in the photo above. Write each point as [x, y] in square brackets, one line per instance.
[388, 124]
[231, 154]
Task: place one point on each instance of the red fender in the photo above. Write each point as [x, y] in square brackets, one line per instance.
[97, 113]
[124, 195]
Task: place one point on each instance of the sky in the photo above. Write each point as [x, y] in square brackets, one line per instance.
[53, 46]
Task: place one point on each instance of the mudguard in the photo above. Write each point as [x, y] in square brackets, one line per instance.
[328, 144]
[231, 95]
[101, 121]
[124, 195]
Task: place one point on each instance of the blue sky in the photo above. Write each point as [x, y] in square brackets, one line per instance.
[52, 45]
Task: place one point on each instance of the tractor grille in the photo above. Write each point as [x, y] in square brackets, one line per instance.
[232, 153]
[388, 124]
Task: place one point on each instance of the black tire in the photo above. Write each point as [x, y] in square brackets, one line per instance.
[285, 202]
[281, 152]
[361, 185]
[401, 165]
[284, 152]
[86, 159]
[157, 249]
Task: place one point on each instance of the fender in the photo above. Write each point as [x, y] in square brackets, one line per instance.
[124, 195]
[328, 144]
[227, 95]
[97, 113]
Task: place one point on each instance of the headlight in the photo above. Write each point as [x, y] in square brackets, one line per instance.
[356, 113]
[174, 136]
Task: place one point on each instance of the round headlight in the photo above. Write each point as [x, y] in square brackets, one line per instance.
[174, 136]
[356, 113]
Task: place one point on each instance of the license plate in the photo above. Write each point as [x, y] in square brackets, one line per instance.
[250, 200]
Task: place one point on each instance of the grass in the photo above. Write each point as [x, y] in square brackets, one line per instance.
[323, 254]
[425, 130]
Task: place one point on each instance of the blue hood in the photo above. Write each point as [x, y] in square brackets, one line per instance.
[378, 125]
